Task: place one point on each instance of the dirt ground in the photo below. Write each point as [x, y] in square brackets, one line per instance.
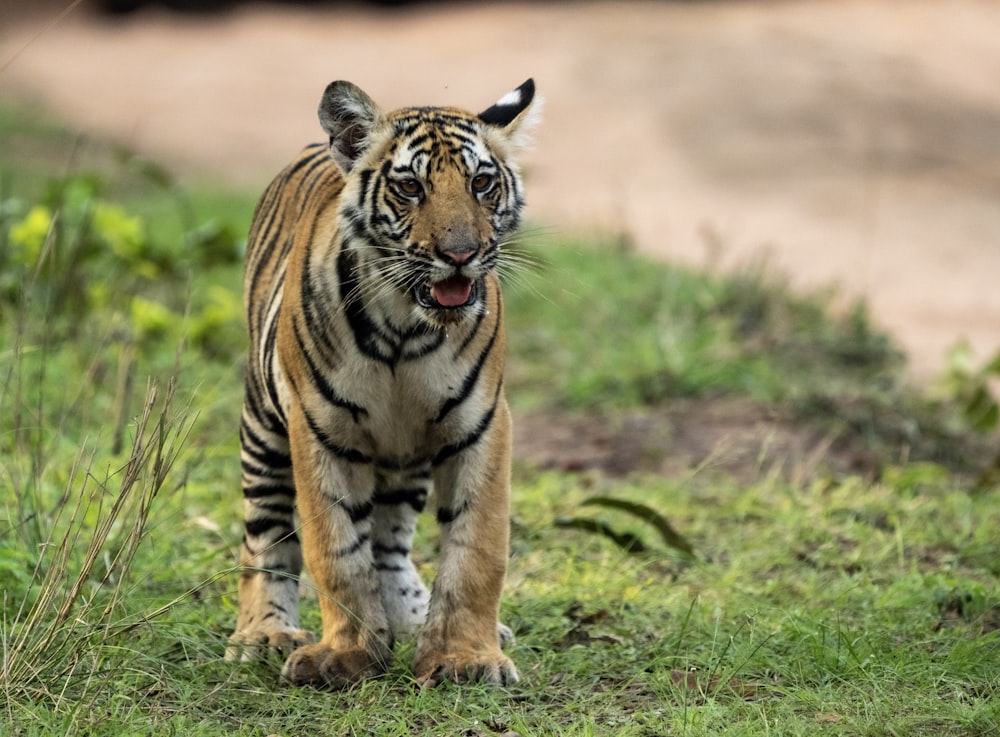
[849, 142]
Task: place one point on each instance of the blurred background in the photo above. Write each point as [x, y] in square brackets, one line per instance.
[854, 143]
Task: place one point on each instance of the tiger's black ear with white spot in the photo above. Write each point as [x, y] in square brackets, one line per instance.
[348, 115]
[514, 113]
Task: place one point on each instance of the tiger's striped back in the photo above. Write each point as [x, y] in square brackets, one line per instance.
[374, 383]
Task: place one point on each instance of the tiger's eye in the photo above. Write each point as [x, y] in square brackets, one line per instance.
[482, 182]
[409, 187]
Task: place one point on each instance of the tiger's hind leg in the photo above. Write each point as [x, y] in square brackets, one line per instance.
[271, 556]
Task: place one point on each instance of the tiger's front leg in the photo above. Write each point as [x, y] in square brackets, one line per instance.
[335, 509]
[461, 640]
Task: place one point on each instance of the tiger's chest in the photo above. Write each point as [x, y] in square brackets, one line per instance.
[411, 412]
[392, 412]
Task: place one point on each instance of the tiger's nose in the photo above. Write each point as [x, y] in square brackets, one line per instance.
[458, 255]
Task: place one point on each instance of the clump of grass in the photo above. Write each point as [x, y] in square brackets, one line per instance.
[72, 608]
[605, 326]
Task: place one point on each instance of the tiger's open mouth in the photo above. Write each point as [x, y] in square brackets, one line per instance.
[451, 293]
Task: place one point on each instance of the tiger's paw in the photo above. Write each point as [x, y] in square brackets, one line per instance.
[505, 634]
[322, 666]
[259, 644]
[491, 667]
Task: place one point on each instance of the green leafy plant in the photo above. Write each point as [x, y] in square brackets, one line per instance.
[78, 251]
[972, 388]
[74, 253]
[969, 385]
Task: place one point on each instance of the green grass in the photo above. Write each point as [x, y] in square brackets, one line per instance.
[597, 326]
[835, 606]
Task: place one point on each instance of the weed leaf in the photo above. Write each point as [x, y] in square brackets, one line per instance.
[625, 540]
[670, 536]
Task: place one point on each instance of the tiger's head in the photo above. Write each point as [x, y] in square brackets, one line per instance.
[429, 196]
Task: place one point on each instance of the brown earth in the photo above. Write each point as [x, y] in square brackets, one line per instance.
[849, 142]
[722, 435]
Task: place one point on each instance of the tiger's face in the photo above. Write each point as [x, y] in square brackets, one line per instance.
[430, 195]
[446, 201]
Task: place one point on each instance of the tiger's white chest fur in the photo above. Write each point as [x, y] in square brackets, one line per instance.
[401, 418]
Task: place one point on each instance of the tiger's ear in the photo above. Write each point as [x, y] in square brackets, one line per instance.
[348, 116]
[514, 113]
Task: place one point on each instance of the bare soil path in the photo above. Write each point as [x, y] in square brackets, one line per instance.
[854, 142]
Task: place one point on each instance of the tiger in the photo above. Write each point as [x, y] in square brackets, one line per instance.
[374, 387]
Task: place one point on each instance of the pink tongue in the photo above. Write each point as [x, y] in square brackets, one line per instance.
[452, 292]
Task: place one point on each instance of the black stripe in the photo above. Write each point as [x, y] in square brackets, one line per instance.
[433, 339]
[270, 211]
[471, 439]
[416, 498]
[265, 471]
[356, 220]
[351, 455]
[263, 525]
[366, 179]
[389, 549]
[421, 467]
[314, 180]
[267, 455]
[267, 458]
[407, 126]
[270, 340]
[312, 154]
[319, 308]
[377, 184]
[353, 548]
[262, 234]
[470, 379]
[480, 319]
[417, 141]
[319, 381]
[261, 491]
[274, 507]
[447, 515]
[357, 512]
[366, 332]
